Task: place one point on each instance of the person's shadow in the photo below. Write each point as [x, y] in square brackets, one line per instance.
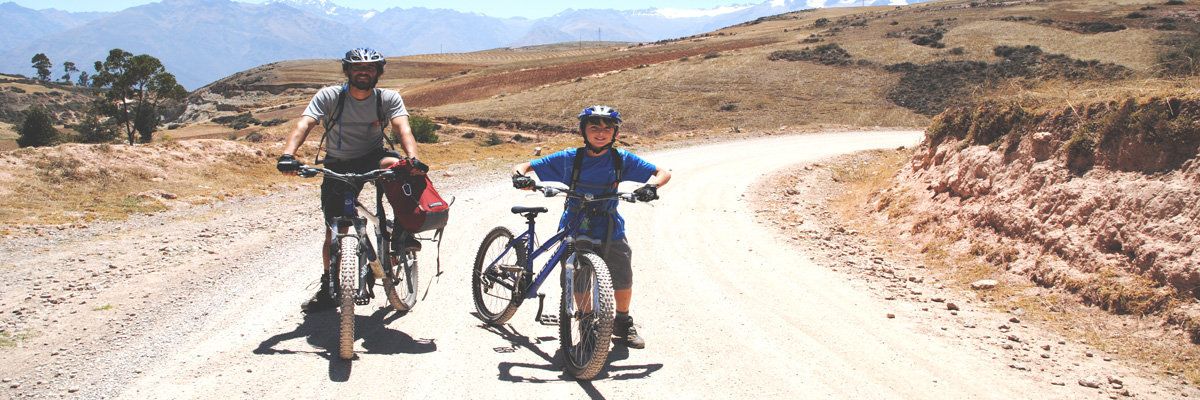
[554, 361]
[321, 331]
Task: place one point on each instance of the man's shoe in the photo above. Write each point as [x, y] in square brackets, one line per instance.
[319, 302]
[623, 330]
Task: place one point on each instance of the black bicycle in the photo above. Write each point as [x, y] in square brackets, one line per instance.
[363, 254]
[504, 277]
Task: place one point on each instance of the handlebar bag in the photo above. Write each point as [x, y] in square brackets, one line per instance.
[416, 204]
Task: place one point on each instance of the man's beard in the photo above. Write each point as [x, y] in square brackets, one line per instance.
[364, 85]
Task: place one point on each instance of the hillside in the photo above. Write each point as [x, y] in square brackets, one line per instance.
[889, 70]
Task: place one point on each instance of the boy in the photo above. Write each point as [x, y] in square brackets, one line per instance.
[597, 168]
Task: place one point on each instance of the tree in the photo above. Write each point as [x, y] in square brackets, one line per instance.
[90, 130]
[68, 68]
[42, 64]
[136, 85]
[37, 130]
[83, 78]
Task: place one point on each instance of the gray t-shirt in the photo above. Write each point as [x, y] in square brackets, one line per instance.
[357, 133]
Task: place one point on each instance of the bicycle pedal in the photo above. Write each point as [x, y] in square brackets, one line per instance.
[547, 319]
[510, 268]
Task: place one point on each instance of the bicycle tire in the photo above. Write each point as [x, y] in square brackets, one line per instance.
[347, 287]
[586, 336]
[400, 282]
[497, 294]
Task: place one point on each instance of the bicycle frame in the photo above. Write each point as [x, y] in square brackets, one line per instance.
[561, 239]
[357, 216]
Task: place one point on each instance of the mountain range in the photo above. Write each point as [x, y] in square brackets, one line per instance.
[201, 41]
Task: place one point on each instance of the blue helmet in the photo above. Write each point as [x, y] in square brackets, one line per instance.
[599, 112]
[605, 112]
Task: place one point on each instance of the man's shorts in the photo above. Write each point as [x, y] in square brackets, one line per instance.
[333, 198]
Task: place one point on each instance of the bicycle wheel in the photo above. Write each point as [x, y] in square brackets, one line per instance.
[499, 290]
[347, 287]
[586, 315]
[400, 280]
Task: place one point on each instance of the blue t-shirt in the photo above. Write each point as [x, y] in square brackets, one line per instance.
[596, 177]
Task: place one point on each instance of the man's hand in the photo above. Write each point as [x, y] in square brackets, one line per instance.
[522, 182]
[646, 193]
[418, 165]
[287, 164]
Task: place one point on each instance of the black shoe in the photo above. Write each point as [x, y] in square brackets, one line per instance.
[623, 330]
[321, 300]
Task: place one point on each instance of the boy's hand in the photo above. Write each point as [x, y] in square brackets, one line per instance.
[646, 193]
[522, 182]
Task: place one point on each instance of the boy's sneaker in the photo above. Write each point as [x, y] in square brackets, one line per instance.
[623, 330]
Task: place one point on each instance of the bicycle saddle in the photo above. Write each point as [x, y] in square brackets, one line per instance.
[522, 210]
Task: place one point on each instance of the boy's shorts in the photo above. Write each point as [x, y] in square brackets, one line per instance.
[619, 258]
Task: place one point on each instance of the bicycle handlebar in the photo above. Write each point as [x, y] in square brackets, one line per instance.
[550, 191]
[351, 178]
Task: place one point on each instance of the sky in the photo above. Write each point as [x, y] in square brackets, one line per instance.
[502, 9]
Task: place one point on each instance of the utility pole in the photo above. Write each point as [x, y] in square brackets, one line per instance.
[598, 35]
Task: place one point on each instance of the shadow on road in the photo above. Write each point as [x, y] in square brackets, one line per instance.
[519, 341]
[320, 330]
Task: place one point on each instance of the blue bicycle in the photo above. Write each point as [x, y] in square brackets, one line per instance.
[362, 255]
[504, 277]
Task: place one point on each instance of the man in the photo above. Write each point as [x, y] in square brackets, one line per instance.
[594, 169]
[354, 117]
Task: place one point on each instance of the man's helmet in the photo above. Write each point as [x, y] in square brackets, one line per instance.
[363, 55]
[599, 112]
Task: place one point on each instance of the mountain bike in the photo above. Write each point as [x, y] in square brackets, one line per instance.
[503, 277]
[362, 255]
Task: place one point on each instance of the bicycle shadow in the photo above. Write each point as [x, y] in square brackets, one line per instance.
[320, 330]
[519, 341]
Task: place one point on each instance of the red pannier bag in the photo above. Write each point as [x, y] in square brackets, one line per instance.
[415, 203]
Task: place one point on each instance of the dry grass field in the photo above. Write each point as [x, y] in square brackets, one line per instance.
[722, 82]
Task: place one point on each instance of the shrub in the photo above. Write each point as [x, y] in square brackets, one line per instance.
[1183, 60]
[828, 54]
[1099, 27]
[1176, 3]
[423, 129]
[37, 129]
[492, 140]
[821, 22]
[468, 135]
[273, 122]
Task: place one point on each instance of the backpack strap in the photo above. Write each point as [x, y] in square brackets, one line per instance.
[577, 167]
[576, 170]
[383, 121]
[329, 121]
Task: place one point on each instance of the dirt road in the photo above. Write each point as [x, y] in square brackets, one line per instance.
[203, 303]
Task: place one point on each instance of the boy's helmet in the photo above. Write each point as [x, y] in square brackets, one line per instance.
[602, 112]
